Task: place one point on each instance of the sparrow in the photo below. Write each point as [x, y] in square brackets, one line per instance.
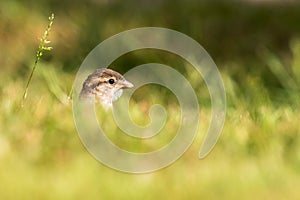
[105, 86]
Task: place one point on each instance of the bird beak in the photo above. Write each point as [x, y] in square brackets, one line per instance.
[126, 84]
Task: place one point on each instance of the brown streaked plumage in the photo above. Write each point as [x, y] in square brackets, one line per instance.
[104, 85]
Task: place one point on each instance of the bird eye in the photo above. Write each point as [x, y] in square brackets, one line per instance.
[111, 81]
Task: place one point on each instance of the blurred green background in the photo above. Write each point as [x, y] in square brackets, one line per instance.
[255, 44]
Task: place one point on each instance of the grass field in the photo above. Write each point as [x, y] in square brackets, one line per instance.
[42, 157]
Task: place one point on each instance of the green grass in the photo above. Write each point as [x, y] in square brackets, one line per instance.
[42, 157]
[42, 47]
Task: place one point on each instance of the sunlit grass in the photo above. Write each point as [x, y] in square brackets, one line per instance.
[42, 47]
[256, 156]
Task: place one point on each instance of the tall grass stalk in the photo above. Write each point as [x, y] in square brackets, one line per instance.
[42, 47]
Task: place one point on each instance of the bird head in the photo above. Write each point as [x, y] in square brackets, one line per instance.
[104, 85]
